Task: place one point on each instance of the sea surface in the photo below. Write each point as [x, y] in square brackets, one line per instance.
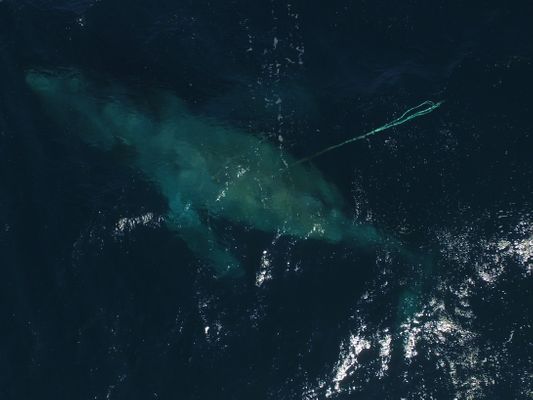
[101, 299]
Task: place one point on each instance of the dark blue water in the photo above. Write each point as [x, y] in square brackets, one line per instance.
[89, 311]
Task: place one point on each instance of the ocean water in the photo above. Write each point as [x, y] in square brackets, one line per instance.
[103, 296]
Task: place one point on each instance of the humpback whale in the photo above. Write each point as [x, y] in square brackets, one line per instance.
[203, 167]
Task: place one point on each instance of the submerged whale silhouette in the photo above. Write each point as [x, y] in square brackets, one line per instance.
[203, 167]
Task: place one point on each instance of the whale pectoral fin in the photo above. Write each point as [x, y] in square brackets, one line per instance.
[203, 242]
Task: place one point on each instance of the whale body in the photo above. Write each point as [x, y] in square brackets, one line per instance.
[202, 166]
